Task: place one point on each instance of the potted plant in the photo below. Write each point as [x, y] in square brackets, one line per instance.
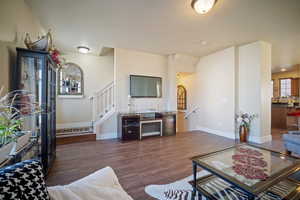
[244, 121]
[15, 107]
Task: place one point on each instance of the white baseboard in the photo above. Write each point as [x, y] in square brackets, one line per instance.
[260, 140]
[73, 125]
[230, 135]
[105, 136]
[255, 139]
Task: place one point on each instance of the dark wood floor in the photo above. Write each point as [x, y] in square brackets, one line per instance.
[158, 160]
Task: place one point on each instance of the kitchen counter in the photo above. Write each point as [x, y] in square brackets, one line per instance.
[147, 112]
[280, 112]
[285, 105]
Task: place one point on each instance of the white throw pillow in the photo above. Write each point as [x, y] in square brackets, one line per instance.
[100, 185]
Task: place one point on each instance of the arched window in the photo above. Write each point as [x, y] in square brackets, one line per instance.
[181, 97]
[70, 79]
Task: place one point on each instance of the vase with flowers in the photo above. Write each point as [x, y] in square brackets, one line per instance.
[244, 121]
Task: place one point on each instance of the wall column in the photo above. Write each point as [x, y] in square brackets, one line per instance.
[255, 87]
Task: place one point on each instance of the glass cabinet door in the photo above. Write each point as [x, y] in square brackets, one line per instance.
[51, 123]
[30, 85]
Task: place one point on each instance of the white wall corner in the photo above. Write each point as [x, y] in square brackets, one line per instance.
[106, 136]
[230, 135]
[74, 125]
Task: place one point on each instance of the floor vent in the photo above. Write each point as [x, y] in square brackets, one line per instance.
[74, 131]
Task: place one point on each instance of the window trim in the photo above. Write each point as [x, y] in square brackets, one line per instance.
[280, 86]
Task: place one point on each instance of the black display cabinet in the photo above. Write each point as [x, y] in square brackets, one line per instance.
[35, 72]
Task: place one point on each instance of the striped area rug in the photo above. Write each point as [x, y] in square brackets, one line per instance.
[179, 190]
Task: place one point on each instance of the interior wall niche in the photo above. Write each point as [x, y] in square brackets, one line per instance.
[70, 81]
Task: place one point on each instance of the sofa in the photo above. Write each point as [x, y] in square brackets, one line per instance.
[292, 142]
[25, 181]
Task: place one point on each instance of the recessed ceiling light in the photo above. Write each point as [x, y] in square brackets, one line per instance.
[203, 6]
[83, 49]
[283, 69]
[203, 42]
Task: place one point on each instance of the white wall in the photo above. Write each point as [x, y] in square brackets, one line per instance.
[139, 63]
[188, 81]
[129, 62]
[178, 63]
[16, 18]
[229, 81]
[5, 63]
[214, 94]
[255, 88]
[98, 71]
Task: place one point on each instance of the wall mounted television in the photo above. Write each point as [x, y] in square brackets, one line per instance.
[145, 86]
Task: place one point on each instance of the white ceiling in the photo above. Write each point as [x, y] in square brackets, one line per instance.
[171, 26]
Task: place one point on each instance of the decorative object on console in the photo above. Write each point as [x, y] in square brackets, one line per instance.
[244, 121]
[43, 43]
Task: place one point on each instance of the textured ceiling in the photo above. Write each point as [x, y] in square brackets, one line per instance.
[171, 26]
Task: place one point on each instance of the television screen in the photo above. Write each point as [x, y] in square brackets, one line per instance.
[145, 86]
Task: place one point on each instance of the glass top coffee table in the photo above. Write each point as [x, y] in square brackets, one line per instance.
[248, 168]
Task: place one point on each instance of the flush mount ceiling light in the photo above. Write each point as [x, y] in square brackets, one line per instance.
[203, 6]
[283, 69]
[83, 49]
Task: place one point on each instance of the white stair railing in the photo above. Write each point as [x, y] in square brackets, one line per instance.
[103, 102]
[194, 110]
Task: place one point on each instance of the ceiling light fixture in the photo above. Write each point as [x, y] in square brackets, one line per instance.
[203, 42]
[203, 6]
[283, 69]
[83, 49]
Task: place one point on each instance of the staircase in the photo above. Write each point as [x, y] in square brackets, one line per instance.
[103, 104]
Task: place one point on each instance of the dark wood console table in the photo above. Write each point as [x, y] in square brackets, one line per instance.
[130, 125]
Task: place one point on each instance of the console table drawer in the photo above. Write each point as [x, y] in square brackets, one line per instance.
[131, 133]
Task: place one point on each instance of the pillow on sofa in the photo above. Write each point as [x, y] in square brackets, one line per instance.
[23, 181]
[100, 185]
